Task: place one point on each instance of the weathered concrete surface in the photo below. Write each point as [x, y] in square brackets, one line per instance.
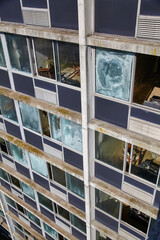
[40, 32]
[128, 44]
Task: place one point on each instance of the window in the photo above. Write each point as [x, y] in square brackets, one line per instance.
[4, 175]
[55, 126]
[63, 212]
[2, 59]
[78, 223]
[44, 57]
[113, 73]
[75, 185]
[45, 123]
[72, 134]
[30, 117]
[15, 181]
[18, 154]
[27, 190]
[17, 48]
[33, 218]
[45, 201]
[100, 236]
[59, 176]
[69, 63]
[135, 218]
[109, 150]
[2, 213]
[10, 201]
[107, 203]
[50, 230]
[3, 145]
[38, 165]
[8, 108]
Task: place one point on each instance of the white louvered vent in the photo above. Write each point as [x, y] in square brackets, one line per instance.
[36, 17]
[148, 27]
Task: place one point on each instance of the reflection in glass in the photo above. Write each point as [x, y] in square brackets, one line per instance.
[27, 190]
[69, 63]
[18, 154]
[44, 56]
[145, 164]
[2, 59]
[59, 176]
[29, 117]
[100, 236]
[72, 134]
[113, 73]
[109, 150]
[33, 218]
[17, 48]
[10, 201]
[50, 230]
[107, 203]
[135, 218]
[38, 165]
[4, 175]
[8, 108]
[78, 223]
[45, 123]
[45, 201]
[75, 185]
[55, 122]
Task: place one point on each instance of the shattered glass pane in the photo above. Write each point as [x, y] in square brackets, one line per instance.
[113, 73]
[75, 185]
[72, 134]
[29, 117]
[38, 165]
[50, 230]
[19, 154]
[27, 190]
[8, 108]
[2, 59]
[55, 126]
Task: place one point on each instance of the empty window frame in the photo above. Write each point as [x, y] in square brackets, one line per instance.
[3, 145]
[15, 181]
[2, 59]
[101, 236]
[109, 150]
[113, 73]
[44, 57]
[45, 123]
[18, 52]
[8, 108]
[75, 185]
[38, 165]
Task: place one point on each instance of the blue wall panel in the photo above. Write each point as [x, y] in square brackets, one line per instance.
[4, 79]
[13, 129]
[73, 158]
[106, 220]
[24, 84]
[145, 115]
[35, 3]
[10, 11]
[150, 7]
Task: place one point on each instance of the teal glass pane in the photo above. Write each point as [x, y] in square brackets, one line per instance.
[8, 108]
[4, 175]
[50, 231]
[72, 134]
[78, 223]
[55, 127]
[10, 201]
[113, 73]
[45, 201]
[30, 117]
[38, 165]
[75, 185]
[33, 218]
[2, 59]
[1, 213]
[27, 190]
[19, 154]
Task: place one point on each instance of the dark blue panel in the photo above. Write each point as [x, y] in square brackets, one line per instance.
[138, 184]
[63, 221]
[157, 199]
[1, 120]
[4, 79]
[45, 85]
[20, 233]
[64, 14]
[111, 16]
[23, 170]
[35, 3]
[6, 185]
[106, 220]
[12, 210]
[33, 139]
[58, 188]
[8, 13]
[80, 204]
[78, 234]
[150, 7]
[108, 175]
[48, 237]
[69, 98]
[73, 158]
[41, 181]
[36, 228]
[13, 129]
[9, 159]
[47, 213]
[54, 145]
[24, 84]
[132, 232]
[0, 157]
[112, 112]
[31, 202]
[145, 115]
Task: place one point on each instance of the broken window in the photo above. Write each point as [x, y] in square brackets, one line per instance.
[107, 203]
[109, 150]
[50, 231]
[72, 134]
[78, 223]
[18, 52]
[3, 145]
[38, 165]
[59, 176]
[15, 181]
[30, 117]
[68, 68]
[44, 57]
[75, 185]
[8, 108]
[18, 154]
[27, 190]
[55, 122]
[45, 123]
[2, 59]
[113, 73]
[45, 201]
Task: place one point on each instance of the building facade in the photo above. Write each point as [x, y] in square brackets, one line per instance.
[80, 119]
